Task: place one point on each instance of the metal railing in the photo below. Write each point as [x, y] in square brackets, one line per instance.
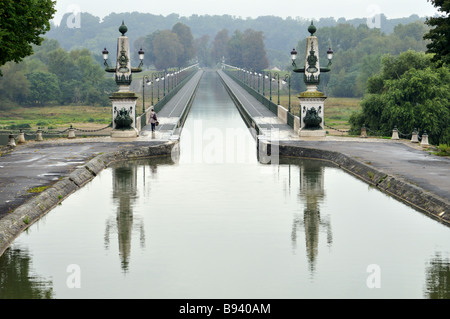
[262, 99]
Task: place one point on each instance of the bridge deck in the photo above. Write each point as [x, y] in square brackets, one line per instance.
[262, 116]
[170, 115]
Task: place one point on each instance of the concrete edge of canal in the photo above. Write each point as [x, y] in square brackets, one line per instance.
[12, 225]
[412, 195]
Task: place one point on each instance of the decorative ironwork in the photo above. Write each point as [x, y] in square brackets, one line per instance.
[123, 73]
[312, 119]
[123, 119]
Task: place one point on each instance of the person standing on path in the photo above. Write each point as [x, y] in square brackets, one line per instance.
[153, 119]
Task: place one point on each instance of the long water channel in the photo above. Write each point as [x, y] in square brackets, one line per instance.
[216, 223]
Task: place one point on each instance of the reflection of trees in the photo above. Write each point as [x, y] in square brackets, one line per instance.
[438, 278]
[124, 195]
[311, 179]
[16, 279]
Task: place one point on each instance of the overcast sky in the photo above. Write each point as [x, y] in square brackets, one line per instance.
[251, 8]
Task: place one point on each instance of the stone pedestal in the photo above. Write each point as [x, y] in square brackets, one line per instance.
[395, 134]
[363, 132]
[12, 141]
[39, 137]
[415, 137]
[71, 133]
[131, 133]
[312, 133]
[124, 100]
[312, 99]
[21, 138]
[424, 142]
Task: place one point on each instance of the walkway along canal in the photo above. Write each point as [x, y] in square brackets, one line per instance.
[217, 223]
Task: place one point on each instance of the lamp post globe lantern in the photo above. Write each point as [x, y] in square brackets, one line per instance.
[293, 56]
[141, 54]
[330, 55]
[105, 54]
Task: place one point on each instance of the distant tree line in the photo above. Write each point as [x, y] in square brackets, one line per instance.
[357, 54]
[54, 76]
[280, 35]
[168, 48]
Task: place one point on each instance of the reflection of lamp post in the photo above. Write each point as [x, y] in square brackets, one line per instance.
[312, 100]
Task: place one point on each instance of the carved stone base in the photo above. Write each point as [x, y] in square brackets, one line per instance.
[132, 133]
[312, 133]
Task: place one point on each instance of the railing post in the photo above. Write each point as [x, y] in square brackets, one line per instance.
[415, 136]
[12, 141]
[71, 134]
[21, 138]
[39, 135]
[424, 142]
[395, 134]
[363, 131]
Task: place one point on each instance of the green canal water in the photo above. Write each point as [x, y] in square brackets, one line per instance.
[216, 223]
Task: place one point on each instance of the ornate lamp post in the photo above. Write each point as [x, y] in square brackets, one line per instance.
[270, 84]
[312, 100]
[145, 80]
[287, 78]
[123, 101]
[277, 76]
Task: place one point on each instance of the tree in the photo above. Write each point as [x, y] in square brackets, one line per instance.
[146, 43]
[14, 85]
[247, 50]
[410, 92]
[203, 49]
[21, 24]
[254, 53]
[440, 34]
[166, 49]
[220, 44]
[235, 49]
[187, 41]
[44, 88]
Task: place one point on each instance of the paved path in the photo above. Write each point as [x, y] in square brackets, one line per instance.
[403, 159]
[37, 164]
[169, 117]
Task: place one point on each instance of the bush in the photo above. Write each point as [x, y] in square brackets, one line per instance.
[19, 126]
[443, 150]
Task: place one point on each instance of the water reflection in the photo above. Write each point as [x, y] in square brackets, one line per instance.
[230, 229]
[311, 194]
[17, 279]
[437, 285]
[124, 195]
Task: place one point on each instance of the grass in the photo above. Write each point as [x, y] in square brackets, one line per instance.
[443, 150]
[337, 114]
[39, 189]
[55, 116]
